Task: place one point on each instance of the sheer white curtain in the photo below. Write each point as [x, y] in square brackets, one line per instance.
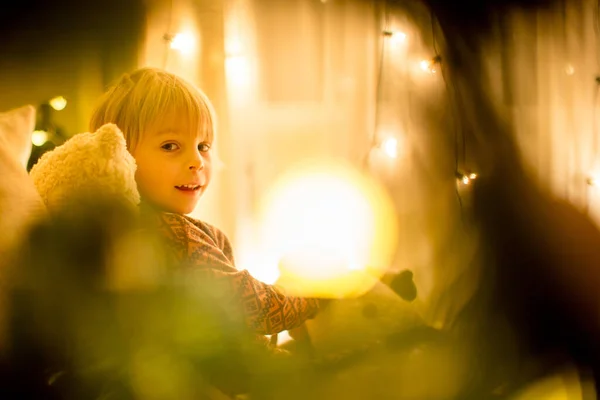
[300, 79]
[310, 78]
[546, 79]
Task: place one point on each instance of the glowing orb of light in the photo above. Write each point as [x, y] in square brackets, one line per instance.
[58, 103]
[390, 147]
[38, 138]
[329, 230]
[184, 43]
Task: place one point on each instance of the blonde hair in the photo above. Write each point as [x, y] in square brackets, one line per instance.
[138, 99]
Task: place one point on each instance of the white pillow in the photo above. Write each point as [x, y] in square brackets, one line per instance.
[20, 203]
[16, 127]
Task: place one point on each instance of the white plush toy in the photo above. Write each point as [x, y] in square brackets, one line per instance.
[88, 166]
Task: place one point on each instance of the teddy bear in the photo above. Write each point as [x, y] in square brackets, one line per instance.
[89, 167]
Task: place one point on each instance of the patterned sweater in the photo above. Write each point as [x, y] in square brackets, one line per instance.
[265, 309]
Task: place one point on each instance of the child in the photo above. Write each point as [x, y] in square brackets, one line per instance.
[168, 124]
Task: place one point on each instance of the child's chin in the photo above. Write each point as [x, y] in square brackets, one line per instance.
[187, 209]
[183, 210]
[179, 209]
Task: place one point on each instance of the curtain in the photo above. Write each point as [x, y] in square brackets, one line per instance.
[307, 79]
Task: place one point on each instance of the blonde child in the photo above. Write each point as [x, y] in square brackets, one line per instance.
[169, 126]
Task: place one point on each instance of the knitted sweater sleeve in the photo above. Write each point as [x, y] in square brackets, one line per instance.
[265, 308]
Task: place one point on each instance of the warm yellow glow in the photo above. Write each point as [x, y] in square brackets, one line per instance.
[330, 231]
[472, 176]
[593, 181]
[259, 266]
[427, 66]
[465, 180]
[233, 47]
[569, 69]
[283, 337]
[185, 43]
[390, 147]
[238, 71]
[38, 138]
[398, 37]
[58, 103]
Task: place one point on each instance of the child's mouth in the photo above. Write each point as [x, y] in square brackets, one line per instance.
[188, 188]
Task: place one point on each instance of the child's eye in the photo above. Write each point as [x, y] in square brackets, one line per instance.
[204, 147]
[170, 146]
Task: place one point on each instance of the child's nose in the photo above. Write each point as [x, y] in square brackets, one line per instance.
[197, 163]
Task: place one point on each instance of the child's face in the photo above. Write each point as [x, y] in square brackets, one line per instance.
[173, 166]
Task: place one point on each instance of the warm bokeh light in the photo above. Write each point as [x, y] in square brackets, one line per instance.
[237, 69]
[465, 180]
[427, 66]
[260, 267]
[398, 37]
[185, 43]
[390, 147]
[58, 103]
[38, 138]
[472, 176]
[330, 230]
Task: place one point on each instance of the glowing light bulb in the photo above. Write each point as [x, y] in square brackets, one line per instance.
[472, 176]
[465, 180]
[38, 138]
[429, 65]
[58, 103]
[329, 201]
[390, 147]
[398, 37]
[184, 43]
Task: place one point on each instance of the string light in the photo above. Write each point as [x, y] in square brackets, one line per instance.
[183, 42]
[396, 37]
[430, 65]
[390, 147]
[425, 65]
[466, 178]
[38, 138]
[58, 103]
